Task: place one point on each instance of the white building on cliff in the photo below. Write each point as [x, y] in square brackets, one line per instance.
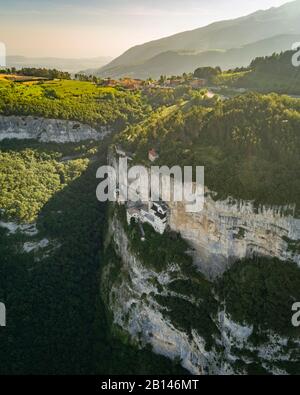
[153, 213]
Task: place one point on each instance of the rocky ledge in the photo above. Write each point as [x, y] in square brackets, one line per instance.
[48, 130]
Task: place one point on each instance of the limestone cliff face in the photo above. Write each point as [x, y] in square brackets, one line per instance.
[229, 230]
[48, 130]
[132, 303]
[131, 291]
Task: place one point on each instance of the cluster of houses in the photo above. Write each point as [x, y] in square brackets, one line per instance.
[126, 83]
[137, 84]
[154, 213]
[194, 83]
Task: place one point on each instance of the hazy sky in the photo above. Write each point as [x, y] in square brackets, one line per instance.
[89, 28]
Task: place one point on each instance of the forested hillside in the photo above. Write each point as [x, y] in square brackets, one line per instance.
[274, 73]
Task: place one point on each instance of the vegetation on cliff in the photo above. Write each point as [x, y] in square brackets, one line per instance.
[261, 292]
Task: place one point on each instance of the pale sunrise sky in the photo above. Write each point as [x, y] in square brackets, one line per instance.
[90, 28]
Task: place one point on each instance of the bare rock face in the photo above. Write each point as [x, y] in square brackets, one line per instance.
[130, 292]
[131, 300]
[48, 130]
[31, 241]
[229, 230]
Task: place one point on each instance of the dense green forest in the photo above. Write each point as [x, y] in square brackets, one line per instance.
[275, 73]
[49, 325]
[28, 180]
[50, 74]
[249, 145]
[260, 292]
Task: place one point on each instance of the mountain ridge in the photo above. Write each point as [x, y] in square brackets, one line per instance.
[222, 35]
[173, 63]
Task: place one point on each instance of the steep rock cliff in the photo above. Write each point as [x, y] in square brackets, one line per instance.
[135, 293]
[48, 130]
[229, 230]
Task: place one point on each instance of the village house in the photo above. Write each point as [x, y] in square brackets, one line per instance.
[153, 155]
[131, 84]
[151, 84]
[173, 82]
[210, 94]
[176, 82]
[108, 82]
[197, 83]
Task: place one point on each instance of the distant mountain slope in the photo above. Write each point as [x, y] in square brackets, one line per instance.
[175, 63]
[64, 64]
[220, 36]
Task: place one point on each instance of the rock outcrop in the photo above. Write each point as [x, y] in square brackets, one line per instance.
[229, 230]
[48, 130]
[30, 241]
